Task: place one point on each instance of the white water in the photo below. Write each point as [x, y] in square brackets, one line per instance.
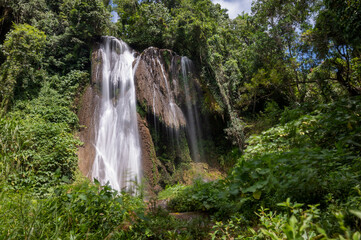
[118, 152]
[193, 121]
[173, 114]
[154, 108]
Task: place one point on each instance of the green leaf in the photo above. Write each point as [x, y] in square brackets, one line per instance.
[357, 213]
[255, 187]
[321, 231]
[83, 197]
[96, 182]
[356, 236]
[272, 235]
[257, 195]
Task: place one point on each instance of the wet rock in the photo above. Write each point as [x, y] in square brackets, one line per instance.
[156, 90]
[96, 71]
[88, 116]
[88, 120]
[150, 162]
[161, 96]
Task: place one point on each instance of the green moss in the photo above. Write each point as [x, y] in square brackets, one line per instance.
[183, 151]
[166, 57]
[153, 156]
[140, 110]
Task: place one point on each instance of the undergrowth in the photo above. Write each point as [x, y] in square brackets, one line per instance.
[312, 156]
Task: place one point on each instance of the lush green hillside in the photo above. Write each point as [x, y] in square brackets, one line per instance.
[284, 83]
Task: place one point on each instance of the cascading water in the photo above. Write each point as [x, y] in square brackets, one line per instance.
[174, 119]
[154, 108]
[172, 113]
[193, 122]
[118, 152]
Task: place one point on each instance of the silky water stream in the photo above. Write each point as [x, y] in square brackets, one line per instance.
[118, 152]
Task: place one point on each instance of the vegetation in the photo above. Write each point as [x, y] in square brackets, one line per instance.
[285, 79]
[304, 158]
[71, 212]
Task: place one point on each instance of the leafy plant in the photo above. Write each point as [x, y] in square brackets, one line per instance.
[21, 73]
[73, 212]
[296, 223]
[38, 149]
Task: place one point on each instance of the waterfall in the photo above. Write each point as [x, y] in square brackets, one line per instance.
[174, 119]
[118, 153]
[193, 121]
[173, 131]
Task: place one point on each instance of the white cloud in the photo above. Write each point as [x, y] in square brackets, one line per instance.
[235, 7]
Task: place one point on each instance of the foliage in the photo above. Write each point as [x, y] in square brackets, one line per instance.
[334, 125]
[71, 28]
[21, 72]
[312, 156]
[297, 222]
[171, 191]
[87, 18]
[335, 41]
[306, 157]
[45, 69]
[38, 149]
[158, 224]
[150, 20]
[207, 197]
[70, 85]
[89, 211]
[72, 212]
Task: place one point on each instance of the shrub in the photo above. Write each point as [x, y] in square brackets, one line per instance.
[21, 74]
[81, 211]
[296, 222]
[38, 148]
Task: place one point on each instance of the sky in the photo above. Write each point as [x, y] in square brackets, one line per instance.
[235, 7]
[115, 16]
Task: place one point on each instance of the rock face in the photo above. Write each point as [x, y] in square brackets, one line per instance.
[88, 116]
[86, 153]
[162, 113]
[157, 89]
[153, 169]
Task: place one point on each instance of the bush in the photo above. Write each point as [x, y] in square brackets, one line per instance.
[296, 222]
[305, 157]
[159, 224]
[21, 74]
[71, 84]
[310, 157]
[38, 148]
[205, 197]
[81, 211]
[306, 175]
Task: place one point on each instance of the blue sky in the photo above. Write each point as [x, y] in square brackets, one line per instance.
[235, 7]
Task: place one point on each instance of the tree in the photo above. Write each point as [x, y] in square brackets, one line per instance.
[150, 26]
[87, 19]
[337, 41]
[21, 73]
[126, 10]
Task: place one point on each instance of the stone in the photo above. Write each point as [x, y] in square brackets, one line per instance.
[156, 90]
[160, 95]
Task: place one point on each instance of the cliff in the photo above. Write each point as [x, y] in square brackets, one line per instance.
[165, 91]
